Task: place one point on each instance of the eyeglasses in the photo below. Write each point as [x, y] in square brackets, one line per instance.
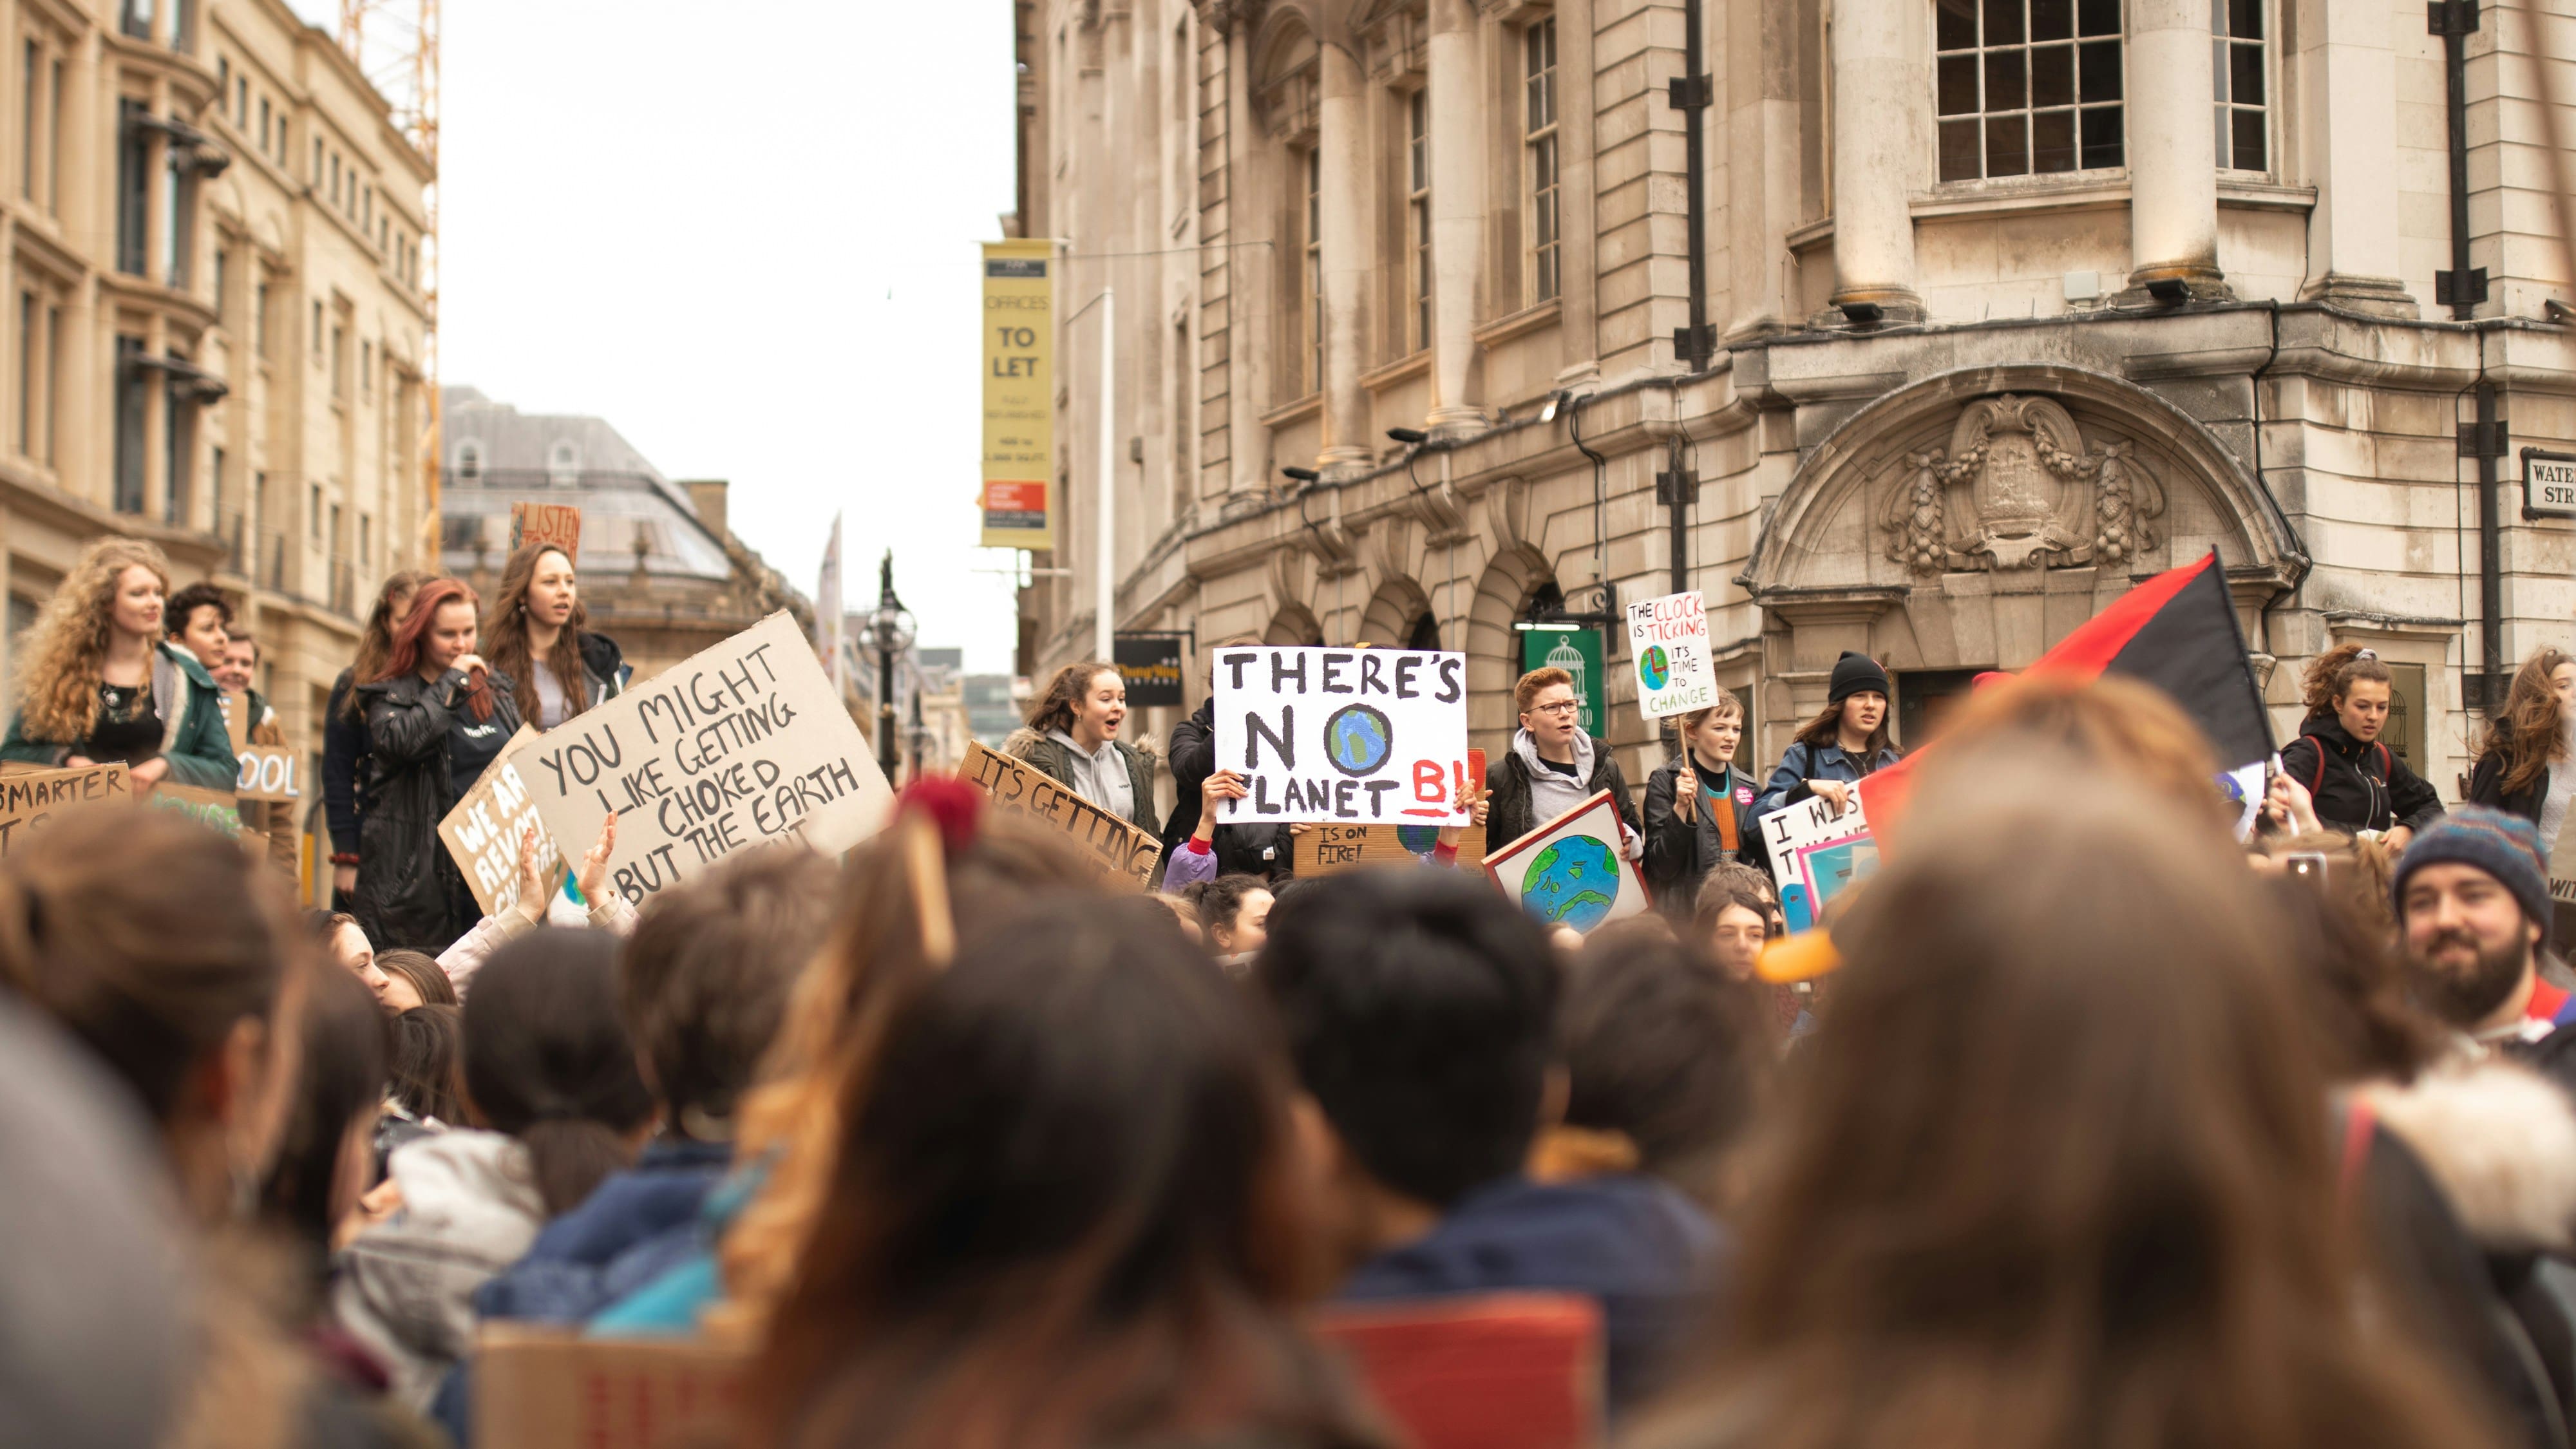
[1562, 706]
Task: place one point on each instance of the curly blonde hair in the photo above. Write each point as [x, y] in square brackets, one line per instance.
[68, 644]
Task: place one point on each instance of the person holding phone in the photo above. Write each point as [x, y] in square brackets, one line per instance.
[436, 717]
[1846, 742]
[1699, 808]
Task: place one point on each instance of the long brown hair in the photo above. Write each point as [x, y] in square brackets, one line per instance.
[1064, 1213]
[2531, 729]
[68, 645]
[505, 629]
[2334, 673]
[404, 657]
[1055, 708]
[376, 640]
[2103, 1209]
[1826, 729]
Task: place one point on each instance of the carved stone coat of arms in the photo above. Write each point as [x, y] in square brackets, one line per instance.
[2018, 487]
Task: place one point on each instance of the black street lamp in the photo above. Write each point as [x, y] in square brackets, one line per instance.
[892, 628]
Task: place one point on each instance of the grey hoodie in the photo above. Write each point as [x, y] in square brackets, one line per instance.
[1552, 793]
[1100, 778]
[406, 1286]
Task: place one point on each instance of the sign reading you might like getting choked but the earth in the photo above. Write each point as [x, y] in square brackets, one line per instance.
[1366, 736]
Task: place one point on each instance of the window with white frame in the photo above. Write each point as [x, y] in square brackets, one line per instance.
[1417, 208]
[2028, 87]
[2236, 66]
[1538, 138]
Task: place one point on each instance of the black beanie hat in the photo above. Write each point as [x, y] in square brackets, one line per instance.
[1853, 673]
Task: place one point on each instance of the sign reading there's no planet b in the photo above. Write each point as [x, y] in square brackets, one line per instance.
[741, 744]
[1372, 736]
[1570, 871]
[1668, 640]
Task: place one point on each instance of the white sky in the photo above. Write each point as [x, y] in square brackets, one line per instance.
[746, 237]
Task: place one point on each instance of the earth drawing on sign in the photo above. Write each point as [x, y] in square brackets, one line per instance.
[1655, 667]
[1574, 882]
[1357, 740]
[1417, 839]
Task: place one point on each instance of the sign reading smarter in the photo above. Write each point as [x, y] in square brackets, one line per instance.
[1339, 735]
[742, 744]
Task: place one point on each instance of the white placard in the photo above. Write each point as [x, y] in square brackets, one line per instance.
[1377, 736]
[743, 744]
[1668, 647]
[1818, 851]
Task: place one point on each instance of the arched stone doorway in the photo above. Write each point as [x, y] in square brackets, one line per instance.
[1973, 519]
[1503, 592]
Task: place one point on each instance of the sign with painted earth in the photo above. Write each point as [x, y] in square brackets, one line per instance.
[1569, 872]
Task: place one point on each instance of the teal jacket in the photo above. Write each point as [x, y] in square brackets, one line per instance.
[193, 737]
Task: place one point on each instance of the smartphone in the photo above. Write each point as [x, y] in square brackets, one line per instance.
[2308, 865]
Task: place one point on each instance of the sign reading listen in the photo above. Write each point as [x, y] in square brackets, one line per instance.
[742, 744]
[1342, 735]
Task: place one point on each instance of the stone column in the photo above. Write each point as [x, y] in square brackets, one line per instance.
[1457, 213]
[1880, 81]
[1341, 120]
[2173, 147]
[1249, 276]
[2347, 72]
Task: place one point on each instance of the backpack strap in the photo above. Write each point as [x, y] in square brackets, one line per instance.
[2317, 781]
[2387, 764]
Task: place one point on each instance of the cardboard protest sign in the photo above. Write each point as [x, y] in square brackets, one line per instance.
[542, 1387]
[482, 833]
[1365, 736]
[738, 745]
[555, 524]
[1332, 849]
[1120, 849]
[31, 799]
[1570, 871]
[1816, 854]
[1668, 642]
[269, 772]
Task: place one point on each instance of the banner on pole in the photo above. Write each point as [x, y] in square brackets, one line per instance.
[739, 745]
[1347, 736]
[1668, 643]
[31, 799]
[1019, 394]
[1122, 851]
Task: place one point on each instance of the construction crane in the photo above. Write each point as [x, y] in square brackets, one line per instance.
[395, 45]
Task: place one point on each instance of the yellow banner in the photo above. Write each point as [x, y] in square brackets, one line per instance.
[1019, 394]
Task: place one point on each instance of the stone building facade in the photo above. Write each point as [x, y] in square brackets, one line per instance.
[211, 318]
[1923, 327]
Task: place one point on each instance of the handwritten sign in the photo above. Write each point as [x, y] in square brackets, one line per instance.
[1332, 849]
[31, 799]
[482, 833]
[269, 772]
[1572, 871]
[556, 525]
[1122, 851]
[1349, 736]
[1817, 853]
[739, 745]
[1668, 645]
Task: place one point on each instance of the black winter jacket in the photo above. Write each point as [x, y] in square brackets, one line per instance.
[344, 766]
[1680, 853]
[1238, 847]
[1510, 816]
[2357, 786]
[410, 893]
[2486, 787]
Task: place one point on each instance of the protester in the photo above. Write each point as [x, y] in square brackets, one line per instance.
[1232, 910]
[346, 752]
[1699, 808]
[2358, 786]
[1733, 925]
[98, 683]
[2473, 900]
[199, 619]
[1845, 743]
[1063, 1214]
[1666, 1063]
[555, 1105]
[1255, 847]
[535, 905]
[2522, 766]
[2028, 1195]
[233, 671]
[436, 716]
[1553, 766]
[1072, 735]
[425, 1093]
[413, 979]
[344, 943]
[1420, 1010]
[556, 668]
[327, 1160]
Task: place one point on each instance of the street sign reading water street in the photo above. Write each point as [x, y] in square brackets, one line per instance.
[2548, 484]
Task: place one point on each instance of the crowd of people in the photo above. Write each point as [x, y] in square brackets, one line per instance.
[2089, 1118]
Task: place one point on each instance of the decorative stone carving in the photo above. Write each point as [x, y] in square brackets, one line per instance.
[2018, 488]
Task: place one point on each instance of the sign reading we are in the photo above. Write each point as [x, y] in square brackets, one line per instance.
[741, 744]
[1344, 735]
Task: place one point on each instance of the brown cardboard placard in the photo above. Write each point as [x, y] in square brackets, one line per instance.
[541, 1388]
[1122, 851]
[30, 799]
[557, 525]
[483, 832]
[269, 772]
[1332, 849]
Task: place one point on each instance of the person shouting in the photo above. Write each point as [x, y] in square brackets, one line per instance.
[1845, 743]
[101, 685]
[1553, 766]
[1072, 735]
[1698, 807]
[2358, 786]
[556, 668]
